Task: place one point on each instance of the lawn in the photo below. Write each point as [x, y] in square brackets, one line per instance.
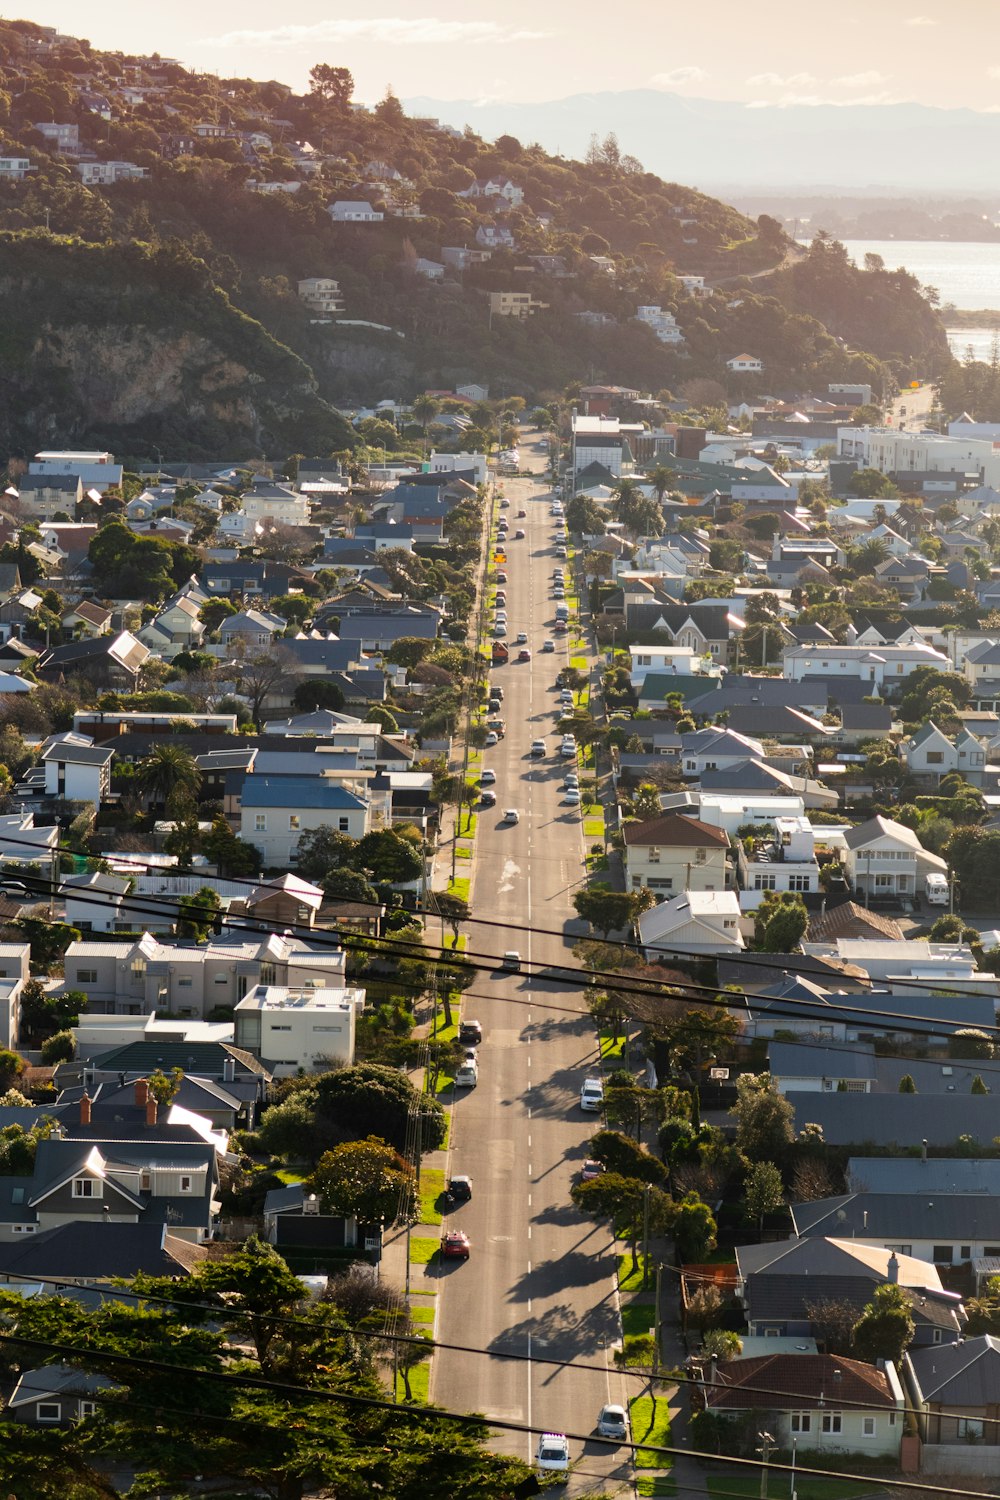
[422, 1251]
[460, 886]
[593, 828]
[421, 1315]
[627, 1282]
[420, 1384]
[651, 1424]
[806, 1488]
[464, 851]
[445, 1033]
[445, 1083]
[654, 1484]
[610, 1048]
[637, 1318]
[431, 1188]
[580, 662]
[461, 945]
[469, 823]
[289, 1177]
[447, 1129]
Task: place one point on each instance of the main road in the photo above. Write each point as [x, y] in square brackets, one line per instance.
[540, 1282]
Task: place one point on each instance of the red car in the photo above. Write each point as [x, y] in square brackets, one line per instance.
[521, 515]
[455, 1245]
[524, 655]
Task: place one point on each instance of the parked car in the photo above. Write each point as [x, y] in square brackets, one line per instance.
[492, 738]
[493, 706]
[488, 778]
[571, 797]
[470, 1031]
[568, 745]
[504, 503]
[467, 1075]
[560, 627]
[459, 1190]
[590, 1170]
[500, 629]
[455, 1245]
[592, 1094]
[561, 552]
[612, 1423]
[496, 691]
[501, 577]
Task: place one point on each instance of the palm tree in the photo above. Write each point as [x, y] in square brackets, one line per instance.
[662, 479]
[166, 770]
[425, 409]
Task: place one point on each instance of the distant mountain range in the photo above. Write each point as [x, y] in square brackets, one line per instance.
[718, 145]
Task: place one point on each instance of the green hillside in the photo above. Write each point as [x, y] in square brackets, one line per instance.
[592, 241]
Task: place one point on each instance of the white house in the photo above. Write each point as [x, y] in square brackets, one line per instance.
[14, 168]
[715, 749]
[730, 811]
[745, 364]
[599, 440]
[884, 667]
[321, 293]
[663, 324]
[929, 752]
[276, 811]
[275, 505]
[346, 211]
[884, 858]
[682, 659]
[675, 853]
[694, 922]
[786, 862]
[299, 1030]
[78, 772]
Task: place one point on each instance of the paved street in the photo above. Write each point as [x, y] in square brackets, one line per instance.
[540, 1282]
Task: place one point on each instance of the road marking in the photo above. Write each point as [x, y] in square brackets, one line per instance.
[529, 1231]
[528, 1433]
[529, 1142]
[529, 1200]
[529, 1169]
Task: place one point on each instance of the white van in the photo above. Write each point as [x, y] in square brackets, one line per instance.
[936, 890]
[467, 1076]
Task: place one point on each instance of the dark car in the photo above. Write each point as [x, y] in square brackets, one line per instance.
[455, 1245]
[459, 1190]
[471, 1033]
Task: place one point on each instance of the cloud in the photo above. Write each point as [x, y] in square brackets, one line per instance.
[777, 81]
[920, 21]
[860, 80]
[397, 31]
[678, 76]
[816, 101]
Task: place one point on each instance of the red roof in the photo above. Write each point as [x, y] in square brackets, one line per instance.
[675, 831]
[792, 1382]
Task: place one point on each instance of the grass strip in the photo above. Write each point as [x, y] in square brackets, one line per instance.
[431, 1188]
[651, 1424]
[423, 1250]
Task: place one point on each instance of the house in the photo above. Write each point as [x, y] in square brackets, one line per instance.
[299, 1030]
[886, 667]
[599, 440]
[929, 753]
[293, 1222]
[777, 1283]
[675, 854]
[284, 901]
[786, 862]
[884, 858]
[905, 1120]
[94, 1253]
[177, 627]
[277, 810]
[14, 168]
[61, 137]
[321, 293]
[86, 620]
[269, 505]
[94, 900]
[745, 364]
[693, 922]
[45, 496]
[863, 721]
[514, 304]
[947, 1231]
[923, 1174]
[662, 324]
[800, 1068]
[954, 1390]
[113, 660]
[252, 628]
[353, 211]
[909, 576]
[820, 1401]
[849, 920]
[715, 749]
[56, 1395]
[107, 173]
[77, 772]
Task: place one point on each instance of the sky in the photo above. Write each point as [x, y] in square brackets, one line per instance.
[775, 53]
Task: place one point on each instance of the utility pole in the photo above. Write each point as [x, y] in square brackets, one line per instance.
[656, 1321]
[645, 1236]
[767, 1443]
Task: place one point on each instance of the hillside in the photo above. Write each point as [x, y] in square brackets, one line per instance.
[233, 181]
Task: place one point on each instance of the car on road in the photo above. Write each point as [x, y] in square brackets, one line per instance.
[568, 745]
[548, 645]
[521, 515]
[571, 797]
[519, 534]
[512, 961]
[560, 627]
[500, 601]
[561, 552]
[566, 696]
[524, 654]
[496, 692]
[512, 816]
[612, 1423]
[488, 798]
[592, 1094]
[467, 1075]
[501, 578]
[590, 1170]
[459, 1190]
[470, 1031]
[558, 592]
[537, 748]
[500, 629]
[455, 1245]
[504, 503]
[522, 638]
[492, 739]
[493, 706]
[552, 1453]
[488, 778]
[571, 784]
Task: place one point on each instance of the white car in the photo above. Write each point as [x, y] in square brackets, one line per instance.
[511, 815]
[592, 1094]
[522, 639]
[571, 796]
[552, 1454]
[492, 739]
[504, 503]
[488, 778]
[538, 748]
[548, 645]
[499, 629]
[561, 552]
[612, 1423]
[467, 1076]
[568, 746]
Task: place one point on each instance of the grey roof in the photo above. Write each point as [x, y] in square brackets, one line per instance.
[939, 1076]
[872, 716]
[774, 692]
[898, 1119]
[965, 1375]
[56, 1380]
[938, 1174]
[746, 776]
[99, 1251]
[284, 1200]
[901, 1216]
[800, 1060]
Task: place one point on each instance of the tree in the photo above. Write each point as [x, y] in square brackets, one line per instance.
[48, 940]
[704, 1307]
[365, 1180]
[260, 672]
[833, 1321]
[229, 853]
[11, 1068]
[694, 1229]
[316, 693]
[196, 915]
[59, 1048]
[978, 1086]
[584, 516]
[974, 856]
[906, 1085]
[870, 484]
[968, 1042]
[721, 1344]
[606, 910]
[370, 1099]
[289, 1129]
[335, 85]
[885, 1328]
[780, 922]
[620, 1154]
[350, 885]
[627, 1202]
[321, 850]
[390, 858]
[763, 1192]
[379, 714]
[763, 1118]
[165, 771]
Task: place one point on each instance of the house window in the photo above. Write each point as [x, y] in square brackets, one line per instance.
[937, 1336]
[49, 1411]
[185, 1186]
[832, 1421]
[343, 825]
[942, 1255]
[970, 1429]
[700, 856]
[991, 1250]
[221, 979]
[653, 855]
[185, 983]
[260, 822]
[763, 882]
[138, 968]
[294, 822]
[146, 1182]
[867, 1426]
[87, 1409]
[965, 1252]
[86, 1187]
[267, 973]
[660, 884]
[798, 882]
[935, 757]
[801, 1421]
[86, 976]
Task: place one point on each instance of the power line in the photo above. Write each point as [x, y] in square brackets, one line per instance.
[91, 1357]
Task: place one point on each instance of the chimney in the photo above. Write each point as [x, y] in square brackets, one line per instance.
[892, 1270]
[923, 1150]
[837, 1375]
[228, 1069]
[86, 1107]
[141, 1091]
[151, 1110]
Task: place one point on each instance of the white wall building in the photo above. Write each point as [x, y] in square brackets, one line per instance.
[694, 922]
[299, 1030]
[785, 863]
